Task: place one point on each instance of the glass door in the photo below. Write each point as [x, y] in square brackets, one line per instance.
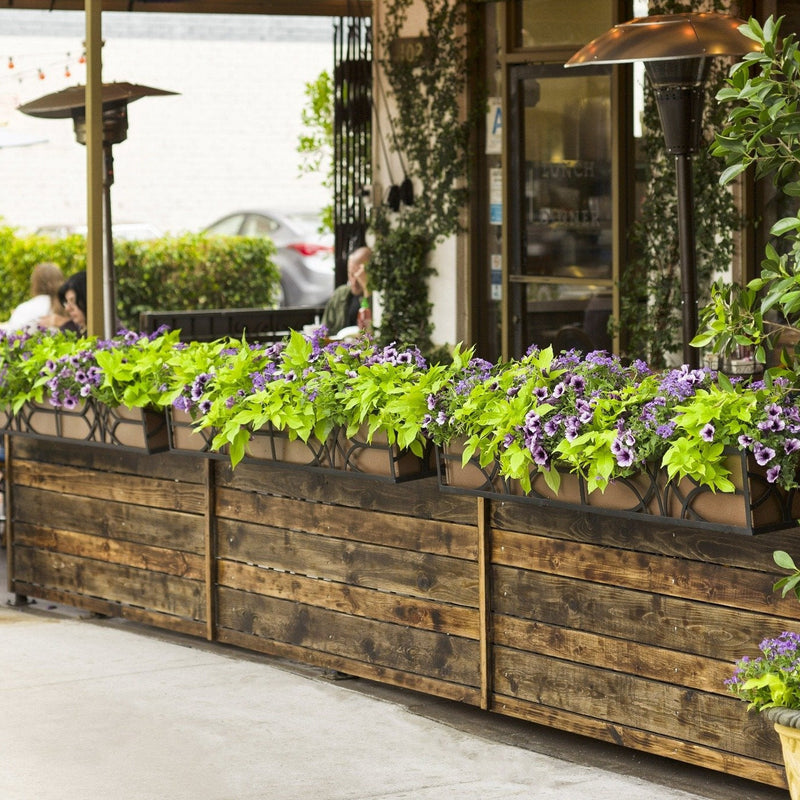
[560, 276]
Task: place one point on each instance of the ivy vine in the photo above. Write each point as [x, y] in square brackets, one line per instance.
[429, 131]
[650, 291]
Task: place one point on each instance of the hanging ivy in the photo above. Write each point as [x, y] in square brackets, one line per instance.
[430, 134]
[650, 289]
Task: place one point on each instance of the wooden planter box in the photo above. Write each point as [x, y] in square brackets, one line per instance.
[354, 455]
[756, 506]
[618, 627]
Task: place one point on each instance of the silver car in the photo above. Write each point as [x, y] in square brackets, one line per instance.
[304, 256]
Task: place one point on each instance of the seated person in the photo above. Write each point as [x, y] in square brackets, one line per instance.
[341, 310]
[73, 296]
[44, 308]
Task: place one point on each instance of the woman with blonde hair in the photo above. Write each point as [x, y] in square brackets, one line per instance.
[44, 309]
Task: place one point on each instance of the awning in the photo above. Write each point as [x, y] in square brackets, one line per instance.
[319, 8]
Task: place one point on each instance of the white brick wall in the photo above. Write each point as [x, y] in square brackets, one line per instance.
[228, 140]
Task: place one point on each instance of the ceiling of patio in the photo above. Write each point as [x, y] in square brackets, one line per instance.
[325, 8]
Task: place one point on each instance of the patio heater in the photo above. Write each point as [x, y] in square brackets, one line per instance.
[675, 49]
[72, 103]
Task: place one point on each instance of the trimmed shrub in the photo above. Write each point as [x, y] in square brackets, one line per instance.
[182, 273]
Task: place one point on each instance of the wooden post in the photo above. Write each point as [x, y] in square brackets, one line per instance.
[484, 601]
[19, 599]
[211, 552]
[95, 316]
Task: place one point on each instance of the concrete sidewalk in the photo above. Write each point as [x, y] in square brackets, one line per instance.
[106, 710]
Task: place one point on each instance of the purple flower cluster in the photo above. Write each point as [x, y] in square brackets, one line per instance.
[777, 443]
[780, 660]
[71, 379]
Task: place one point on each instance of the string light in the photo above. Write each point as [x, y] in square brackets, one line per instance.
[50, 65]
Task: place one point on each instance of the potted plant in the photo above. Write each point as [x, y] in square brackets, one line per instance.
[88, 389]
[770, 683]
[761, 131]
[670, 438]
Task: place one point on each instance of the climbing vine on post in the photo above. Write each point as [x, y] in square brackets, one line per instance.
[650, 290]
[427, 129]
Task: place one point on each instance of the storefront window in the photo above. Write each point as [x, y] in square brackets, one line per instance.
[561, 261]
[544, 23]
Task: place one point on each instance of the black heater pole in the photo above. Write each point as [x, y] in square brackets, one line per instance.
[679, 94]
[688, 258]
[676, 51]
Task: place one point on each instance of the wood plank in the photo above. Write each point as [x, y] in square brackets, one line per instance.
[434, 655]
[647, 661]
[648, 534]
[419, 498]
[390, 569]
[110, 609]
[113, 520]
[132, 489]
[349, 666]
[485, 600]
[672, 623]
[353, 600]
[647, 572]
[653, 706]
[118, 584]
[754, 769]
[157, 559]
[355, 524]
[166, 466]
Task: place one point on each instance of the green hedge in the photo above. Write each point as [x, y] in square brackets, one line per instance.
[182, 273]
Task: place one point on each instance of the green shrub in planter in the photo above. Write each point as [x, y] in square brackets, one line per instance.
[182, 273]
[193, 272]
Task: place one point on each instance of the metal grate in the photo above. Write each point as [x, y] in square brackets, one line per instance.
[352, 133]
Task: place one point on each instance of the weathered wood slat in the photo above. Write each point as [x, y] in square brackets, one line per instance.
[422, 535]
[620, 655]
[133, 489]
[349, 666]
[658, 744]
[419, 499]
[115, 520]
[433, 655]
[647, 572]
[137, 587]
[353, 600]
[390, 569]
[108, 608]
[646, 534]
[672, 623]
[672, 711]
[157, 559]
[165, 466]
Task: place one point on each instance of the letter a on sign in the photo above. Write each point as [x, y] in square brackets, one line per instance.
[494, 127]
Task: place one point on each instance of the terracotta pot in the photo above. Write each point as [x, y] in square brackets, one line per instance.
[756, 505]
[269, 444]
[787, 726]
[183, 437]
[471, 476]
[43, 420]
[378, 457]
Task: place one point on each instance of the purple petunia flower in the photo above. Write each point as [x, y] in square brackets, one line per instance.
[707, 432]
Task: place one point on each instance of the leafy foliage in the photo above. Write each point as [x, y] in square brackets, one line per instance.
[650, 314]
[315, 144]
[194, 271]
[772, 679]
[763, 131]
[185, 273]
